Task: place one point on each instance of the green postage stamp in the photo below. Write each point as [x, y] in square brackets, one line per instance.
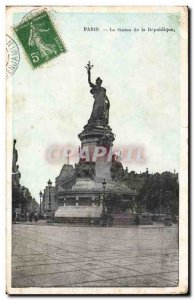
[39, 39]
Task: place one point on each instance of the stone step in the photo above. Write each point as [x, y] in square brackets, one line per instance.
[123, 219]
[78, 220]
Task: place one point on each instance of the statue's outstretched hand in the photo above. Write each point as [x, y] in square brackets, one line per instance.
[89, 67]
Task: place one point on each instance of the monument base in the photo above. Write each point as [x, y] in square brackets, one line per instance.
[78, 214]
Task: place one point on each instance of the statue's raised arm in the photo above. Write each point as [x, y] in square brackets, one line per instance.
[89, 67]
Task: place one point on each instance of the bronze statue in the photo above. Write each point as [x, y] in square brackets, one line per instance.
[100, 111]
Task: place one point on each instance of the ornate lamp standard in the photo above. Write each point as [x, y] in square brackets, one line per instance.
[49, 186]
[103, 203]
[40, 202]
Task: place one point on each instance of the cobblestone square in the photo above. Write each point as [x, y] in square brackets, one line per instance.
[63, 256]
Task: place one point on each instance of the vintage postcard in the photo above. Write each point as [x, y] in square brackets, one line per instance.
[97, 150]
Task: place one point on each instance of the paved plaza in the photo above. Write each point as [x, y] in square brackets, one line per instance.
[65, 256]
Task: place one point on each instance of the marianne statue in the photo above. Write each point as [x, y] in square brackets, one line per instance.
[100, 111]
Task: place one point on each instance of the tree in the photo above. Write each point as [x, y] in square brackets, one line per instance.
[160, 193]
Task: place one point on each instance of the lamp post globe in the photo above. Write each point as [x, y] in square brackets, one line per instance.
[104, 183]
[49, 183]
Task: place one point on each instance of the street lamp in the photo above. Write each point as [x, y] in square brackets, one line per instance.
[103, 203]
[49, 186]
[40, 201]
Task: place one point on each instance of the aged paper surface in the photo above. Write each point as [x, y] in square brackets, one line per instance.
[97, 153]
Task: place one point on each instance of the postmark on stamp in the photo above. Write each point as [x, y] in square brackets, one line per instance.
[12, 56]
[39, 39]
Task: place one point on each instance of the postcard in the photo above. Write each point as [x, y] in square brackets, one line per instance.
[97, 150]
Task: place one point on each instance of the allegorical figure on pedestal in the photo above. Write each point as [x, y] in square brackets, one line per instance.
[100, 111]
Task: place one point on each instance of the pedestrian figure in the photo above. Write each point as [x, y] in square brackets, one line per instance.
[104, 220]
[110, 220]
[14, 215]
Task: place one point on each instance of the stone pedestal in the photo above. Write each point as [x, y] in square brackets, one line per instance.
[103, 171]
[79, 213]
[84, 184]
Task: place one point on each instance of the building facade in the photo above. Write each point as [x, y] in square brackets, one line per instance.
[23, 203]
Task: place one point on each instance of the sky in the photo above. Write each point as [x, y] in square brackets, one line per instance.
[140, 71]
